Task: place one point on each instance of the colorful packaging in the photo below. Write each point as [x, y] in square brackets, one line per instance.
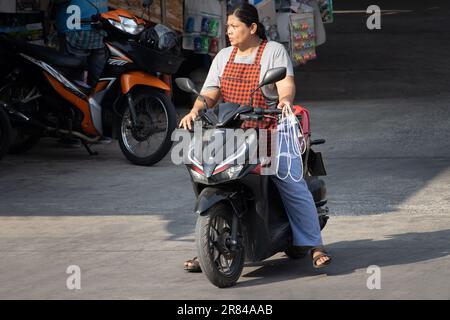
[213, 46]
[204, 44]
[190, 25]
[197, 44]
[205, 25]
[213, 28]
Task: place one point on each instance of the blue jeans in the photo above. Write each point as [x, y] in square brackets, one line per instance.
[297, 199]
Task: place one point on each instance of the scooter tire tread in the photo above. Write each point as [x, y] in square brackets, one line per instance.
[202, 241]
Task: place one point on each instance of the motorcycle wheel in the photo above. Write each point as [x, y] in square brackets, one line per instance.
[150, 141]
[22, 138]
[5, 133]
[219, 263]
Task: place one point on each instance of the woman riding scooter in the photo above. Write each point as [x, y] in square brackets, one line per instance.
[234, 73]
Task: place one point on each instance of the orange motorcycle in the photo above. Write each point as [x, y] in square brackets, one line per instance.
[129, 102]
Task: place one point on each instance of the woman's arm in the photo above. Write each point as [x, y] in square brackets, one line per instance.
[286, 92]
[211, 96]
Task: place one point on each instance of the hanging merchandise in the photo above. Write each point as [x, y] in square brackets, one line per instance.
[303, 40]
[213, 27]
[326, 10]
[203, 27]
[214, 46]
[268, 17]
[200, 32]
[190, 25]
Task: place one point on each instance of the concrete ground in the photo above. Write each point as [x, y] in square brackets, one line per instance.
[381, 99]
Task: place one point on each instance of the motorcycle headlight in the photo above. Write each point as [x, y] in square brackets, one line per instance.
[127, 25]
[231, 173]
[198, 177]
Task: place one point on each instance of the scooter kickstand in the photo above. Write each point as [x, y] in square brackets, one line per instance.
[89, 150]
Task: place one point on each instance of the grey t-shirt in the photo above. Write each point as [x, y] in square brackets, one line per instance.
[274, 55]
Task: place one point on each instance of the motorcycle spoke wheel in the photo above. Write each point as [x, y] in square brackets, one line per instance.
[151, 130]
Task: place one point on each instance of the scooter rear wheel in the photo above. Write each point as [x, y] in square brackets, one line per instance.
[222, 265]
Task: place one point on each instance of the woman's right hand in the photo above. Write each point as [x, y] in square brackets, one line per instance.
[187, 120]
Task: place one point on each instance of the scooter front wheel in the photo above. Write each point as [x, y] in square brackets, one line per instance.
[220, 262]
[146, 140]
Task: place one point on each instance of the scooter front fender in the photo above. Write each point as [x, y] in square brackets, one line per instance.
[209, 197]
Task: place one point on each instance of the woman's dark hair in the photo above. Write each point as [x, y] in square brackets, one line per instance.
[248, 14]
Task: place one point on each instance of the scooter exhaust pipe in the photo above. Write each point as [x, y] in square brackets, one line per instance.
[79, 135]
[50, 129]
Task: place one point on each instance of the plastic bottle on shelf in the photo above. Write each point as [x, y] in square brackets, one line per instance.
[213, 28]
[204, 44]
[213, 46]
[197, 44]
[205, 25]
[190, 25]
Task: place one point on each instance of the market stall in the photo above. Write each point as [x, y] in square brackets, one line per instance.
[298, 24]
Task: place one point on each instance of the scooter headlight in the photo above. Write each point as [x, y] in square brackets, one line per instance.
[231, 173]
[198, 177]
[127, 25]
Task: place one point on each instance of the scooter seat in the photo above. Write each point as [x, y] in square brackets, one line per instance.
[48, 55]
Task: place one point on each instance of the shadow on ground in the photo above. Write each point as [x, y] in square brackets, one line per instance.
[349, 256]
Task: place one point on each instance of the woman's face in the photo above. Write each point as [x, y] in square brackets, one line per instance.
[238, 32]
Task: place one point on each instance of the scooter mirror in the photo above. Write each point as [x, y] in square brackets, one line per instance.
[186, 85]
[273, 75]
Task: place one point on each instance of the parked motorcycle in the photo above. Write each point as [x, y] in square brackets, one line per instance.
[241, 216]
[129, 102]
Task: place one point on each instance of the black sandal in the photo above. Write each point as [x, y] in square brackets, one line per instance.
[323, 253]
[192, 265]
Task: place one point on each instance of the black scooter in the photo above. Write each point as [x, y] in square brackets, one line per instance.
[241, 216]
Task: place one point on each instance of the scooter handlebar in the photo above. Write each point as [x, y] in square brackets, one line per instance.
[267, 111]
[250, 117]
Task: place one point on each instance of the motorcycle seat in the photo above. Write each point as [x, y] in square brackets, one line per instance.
[49, 55]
